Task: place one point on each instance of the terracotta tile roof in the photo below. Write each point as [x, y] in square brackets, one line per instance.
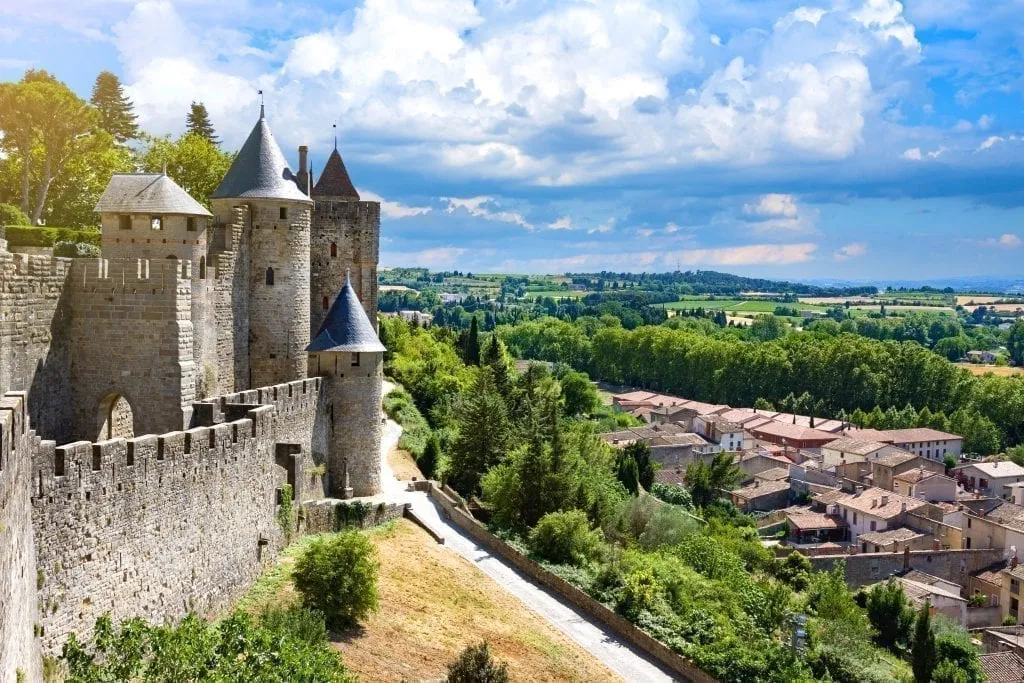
[849, 444]
[867, 434]
[1008, 514]
[633, 396]
[918, 435]
[724, 426]
[761, 488]
[334, 182]
[773, 474]
[792, 432]
[896, 459]
[879, 503]
[671, 475]
[829, 497]
[996, 470]
[705, 408]
[914, 476]
[814, 520]
[890, 536]
[1002, 667]
[992, 573]
[829, 425]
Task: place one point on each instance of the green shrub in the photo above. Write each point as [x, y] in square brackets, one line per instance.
[12, 215]
[565, 538]
[28, 236]
[75, 250]
[337, 575]
[399, 406]
[676, 495]
[288, 645]
[639, 593]
[475, 665]
[795, 570]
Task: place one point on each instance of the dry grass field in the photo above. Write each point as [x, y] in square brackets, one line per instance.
[433, 603]
[994, 369]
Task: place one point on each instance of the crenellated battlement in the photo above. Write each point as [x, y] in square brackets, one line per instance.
[327, 211]
[28, 265]
[131, 275]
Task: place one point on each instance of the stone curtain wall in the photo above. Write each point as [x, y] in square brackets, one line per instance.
[229, 252]
[132, 332]
[952, 565]
[299, 418]
[354, 229]
[34, 338]
[18, 444]
[278, 313]
[155, 526]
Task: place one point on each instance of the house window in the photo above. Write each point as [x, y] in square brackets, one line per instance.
[334, 250]
[283, 213]
[355, 359]
[968, 522]
[124, 222]
[1014, 586]
[270, 277]
[327, 303]
[967, 545]
[854, 517]
[156, 222]
[873, 525]
[190, 224]
[982, 483]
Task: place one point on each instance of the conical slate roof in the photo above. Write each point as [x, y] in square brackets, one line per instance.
[147, 193]
[259, 171]
[346, 327]
[334, 182]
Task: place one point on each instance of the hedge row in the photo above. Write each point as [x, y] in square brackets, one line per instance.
[27, 236]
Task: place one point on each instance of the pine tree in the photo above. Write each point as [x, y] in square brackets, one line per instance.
[431, 455]
[923, 656]
[115, 109]
[484, 434]
[471, 353]
[627, 472]
[198, 122]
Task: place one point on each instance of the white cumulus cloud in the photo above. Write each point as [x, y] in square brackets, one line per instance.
[481, 207]
[393, 209]
[849, 251]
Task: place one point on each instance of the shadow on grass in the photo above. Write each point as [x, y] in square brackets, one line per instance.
[347, 635]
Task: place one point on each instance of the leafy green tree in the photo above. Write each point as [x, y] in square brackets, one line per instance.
[674, 495]
[565, 538]
[795, 570]
[952, 348]
[889, 614]
[767, 328]
[116, 112]
[627, 472]
[953, 645]
[948, 672]
[949, 461]
[198, 123]
[192, 161]
[496, 358]
[431, 457]
[337, 575]
[74, 193]
[763, 404]
[1015, 342]
[578, 393]
[476, 665]
[12, 215]
[484, 434]
[923, 657]
[641, 454]
[706, 481]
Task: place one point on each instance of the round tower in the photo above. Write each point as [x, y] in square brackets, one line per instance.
[272, 263]
[348, 355]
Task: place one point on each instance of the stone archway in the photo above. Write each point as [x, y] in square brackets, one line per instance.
[115, 418]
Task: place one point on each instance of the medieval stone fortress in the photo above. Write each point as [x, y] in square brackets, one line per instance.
[157, 403]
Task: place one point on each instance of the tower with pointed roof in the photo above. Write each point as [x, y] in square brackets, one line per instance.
[263, 226]
[344, 239]
[349, 357]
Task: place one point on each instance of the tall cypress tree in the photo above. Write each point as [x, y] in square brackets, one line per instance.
[472, 352]
[116, 111]
[198, 121]
[923, 656]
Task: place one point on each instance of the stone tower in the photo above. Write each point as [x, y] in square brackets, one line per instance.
[274, 270]
[348, 355]
[344, 242]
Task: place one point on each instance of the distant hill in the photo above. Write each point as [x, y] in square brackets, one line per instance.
[714, 282]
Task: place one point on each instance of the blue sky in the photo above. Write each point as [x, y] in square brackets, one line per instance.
[851, 139]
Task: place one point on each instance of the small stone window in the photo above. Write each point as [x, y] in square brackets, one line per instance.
[202, 266]
[156, 222]
[327, 303]
[284, 213]
[355, 359]
[190, 224]
[124, 222]
[270, 277]
[334, 250]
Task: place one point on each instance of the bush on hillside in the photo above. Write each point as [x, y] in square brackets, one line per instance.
[565, 538]
[12, 215]
[76, 250]
[337, 575]
[399, 406]
[475, 665]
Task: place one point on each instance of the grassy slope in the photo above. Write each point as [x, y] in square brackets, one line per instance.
[432, 604]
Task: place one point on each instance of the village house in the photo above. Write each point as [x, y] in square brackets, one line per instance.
[1002, 667]
[1012, 593]
[885, 470]
[791, 435]
[921, 441]
[925, 485]
[761, 495]
[893, 540]
[808, 526]
[990, 478]
[943, 596]
[723, 434]
[986, 357]
[1001, 526]
[848, 449]
[874, 509]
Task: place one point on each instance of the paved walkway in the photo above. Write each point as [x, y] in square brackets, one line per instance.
[599, 641]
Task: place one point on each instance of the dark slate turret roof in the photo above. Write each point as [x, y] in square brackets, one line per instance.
[259, 171]
[346, 327]
[334, 182]
[147, 193]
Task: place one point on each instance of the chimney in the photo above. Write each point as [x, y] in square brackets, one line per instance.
[885, 500]
[303, 153]
[903, 507]
[1013, 562]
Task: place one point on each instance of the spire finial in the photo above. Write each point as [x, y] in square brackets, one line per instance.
[348, 276]
[335, 127]
[260, 92]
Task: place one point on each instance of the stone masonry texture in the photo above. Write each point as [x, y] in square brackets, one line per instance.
[154, 402]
